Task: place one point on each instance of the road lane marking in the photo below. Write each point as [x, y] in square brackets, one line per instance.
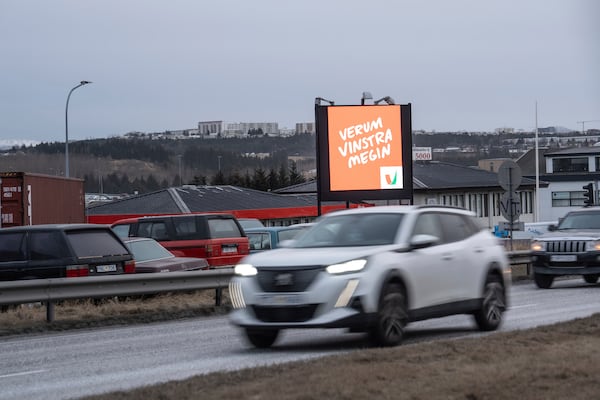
[38, 371]
[523, 306]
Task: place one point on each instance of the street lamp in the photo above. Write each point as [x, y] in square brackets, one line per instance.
[67, 127]
[387, 99]
[179, 156]
[365, 96]
[583, 124]
[319, 100]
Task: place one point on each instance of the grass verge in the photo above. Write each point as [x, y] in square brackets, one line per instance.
[552, 362]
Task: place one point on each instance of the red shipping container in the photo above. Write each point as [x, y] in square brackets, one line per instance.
[33, 199]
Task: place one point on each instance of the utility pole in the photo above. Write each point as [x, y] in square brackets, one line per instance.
[583, 124]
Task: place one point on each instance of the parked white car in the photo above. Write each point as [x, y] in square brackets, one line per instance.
[374, 270]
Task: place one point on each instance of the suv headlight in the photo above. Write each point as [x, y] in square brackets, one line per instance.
[349, 266]
[245, 270]
[595, 245]
[537, 246]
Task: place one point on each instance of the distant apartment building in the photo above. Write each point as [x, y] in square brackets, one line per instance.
[219, 128]
[170, 134]
[305, 128]
[236, 129]
[210, 128]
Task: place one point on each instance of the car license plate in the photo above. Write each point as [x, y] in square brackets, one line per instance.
[287, 299]
[106, 268]
[229, 249]
[563, 258]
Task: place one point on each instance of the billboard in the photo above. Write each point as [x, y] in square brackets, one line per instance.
[364, 152]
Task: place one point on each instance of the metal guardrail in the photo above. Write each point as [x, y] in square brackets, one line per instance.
[519, 257]
[52, 290]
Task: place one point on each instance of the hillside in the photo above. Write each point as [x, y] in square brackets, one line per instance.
[118, 165]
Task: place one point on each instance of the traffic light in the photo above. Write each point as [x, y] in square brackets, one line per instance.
[588, 195]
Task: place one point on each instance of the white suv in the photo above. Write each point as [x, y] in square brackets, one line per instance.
[374, 270]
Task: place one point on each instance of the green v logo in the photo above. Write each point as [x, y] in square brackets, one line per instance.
[391, 180]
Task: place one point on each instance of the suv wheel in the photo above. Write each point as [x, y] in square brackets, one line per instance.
[543, 281]
[489, 316]
[591, 278]
[392, 317]
[262, 338]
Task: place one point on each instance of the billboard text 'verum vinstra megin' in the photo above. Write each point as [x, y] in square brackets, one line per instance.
[365, 148]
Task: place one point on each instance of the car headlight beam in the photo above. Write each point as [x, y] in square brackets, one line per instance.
[537, 246]
[245, 270]
[349, 266]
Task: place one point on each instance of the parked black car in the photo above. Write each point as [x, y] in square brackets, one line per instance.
[62, 250]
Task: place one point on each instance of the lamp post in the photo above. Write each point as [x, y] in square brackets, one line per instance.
[537, 168]
[387, 99]
[365, 96]
[67, 127]
[179, 156]
[583, 124]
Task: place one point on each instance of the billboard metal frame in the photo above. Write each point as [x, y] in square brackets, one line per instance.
[324, 172]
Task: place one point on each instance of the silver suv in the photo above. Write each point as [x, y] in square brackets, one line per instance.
[571, 248]
[374, 270]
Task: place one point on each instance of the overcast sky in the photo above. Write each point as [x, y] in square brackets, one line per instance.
[164, 65]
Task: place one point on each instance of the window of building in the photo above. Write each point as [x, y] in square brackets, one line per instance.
[496, 203]
[568, 199]
[526, 199]
[576, 164]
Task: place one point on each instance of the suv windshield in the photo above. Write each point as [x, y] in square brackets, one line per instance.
[368, 229]
[581, 220]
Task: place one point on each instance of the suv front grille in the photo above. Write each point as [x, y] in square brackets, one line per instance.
[285, 314]
[566, 246]
[287, 280]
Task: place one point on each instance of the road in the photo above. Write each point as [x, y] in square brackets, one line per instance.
[78, 363]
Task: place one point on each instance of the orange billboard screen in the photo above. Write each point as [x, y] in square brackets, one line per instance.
[365, 148]
[364, 151]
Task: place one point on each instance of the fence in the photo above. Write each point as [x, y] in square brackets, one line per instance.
[49, 291]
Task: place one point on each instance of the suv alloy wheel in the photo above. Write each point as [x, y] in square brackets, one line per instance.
[489, 317]
[391, 318]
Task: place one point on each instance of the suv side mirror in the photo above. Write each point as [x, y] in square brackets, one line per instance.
[422, 241]
[552, 228]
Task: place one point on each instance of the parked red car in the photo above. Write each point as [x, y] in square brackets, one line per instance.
[218, 238]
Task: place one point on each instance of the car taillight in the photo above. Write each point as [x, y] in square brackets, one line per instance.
[209, 250]
[129, 267]
[74, 271]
